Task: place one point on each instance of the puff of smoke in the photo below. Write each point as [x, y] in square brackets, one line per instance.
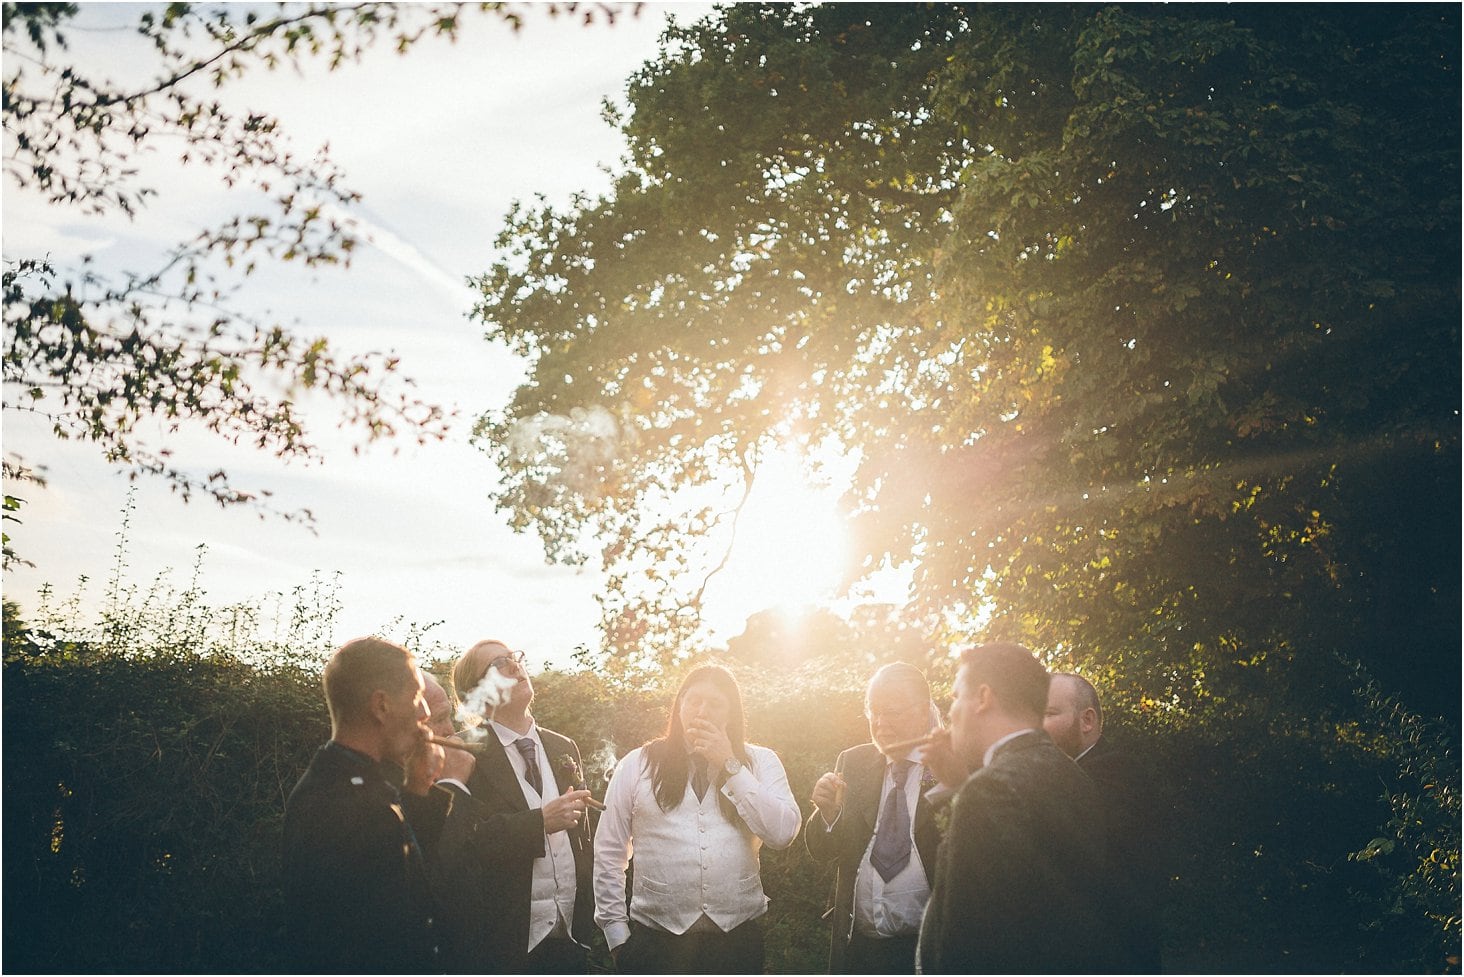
[581, 445]
[476, 708]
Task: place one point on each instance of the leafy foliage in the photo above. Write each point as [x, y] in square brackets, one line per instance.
[1140, 320]
[149, 754]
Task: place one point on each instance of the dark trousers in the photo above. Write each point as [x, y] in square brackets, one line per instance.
[871, 955]
[557, 956]
[651, 951]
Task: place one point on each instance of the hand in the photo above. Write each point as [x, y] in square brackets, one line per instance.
[458, 765]
[710, 740]
[828, 796]
[423, 767]
[939, 755]
[565, 811]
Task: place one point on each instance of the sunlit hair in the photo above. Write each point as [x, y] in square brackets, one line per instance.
[667, 759]
[359, 668]
[473, 665]
[1015, 676]
[1084, 695]
[902, 675]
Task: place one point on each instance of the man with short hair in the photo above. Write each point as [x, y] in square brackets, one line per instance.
[871, 816]
[1074, 720]
[1023, 856]
[515, 857]
[357, 896]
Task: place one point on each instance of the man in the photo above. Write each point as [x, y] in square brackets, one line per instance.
[1023, 856]
[872, 816]
[696, 805]
[357, 896]
[515, 859]
[457, 765]
[1074, 720]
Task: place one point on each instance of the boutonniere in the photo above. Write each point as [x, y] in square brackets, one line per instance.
[942, 816]
[927, 779]
[569, 769]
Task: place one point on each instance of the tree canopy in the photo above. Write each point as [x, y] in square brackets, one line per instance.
[1143, 323]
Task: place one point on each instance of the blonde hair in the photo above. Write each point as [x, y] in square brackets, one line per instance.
[469, 669]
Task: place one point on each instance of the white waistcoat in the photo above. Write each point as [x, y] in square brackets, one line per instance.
[691, 860]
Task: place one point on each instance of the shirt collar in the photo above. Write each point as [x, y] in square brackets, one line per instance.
[508, 737]
[991, 750]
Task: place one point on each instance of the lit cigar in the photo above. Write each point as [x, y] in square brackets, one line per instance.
[477, 749]
[474, 748]
[904, 746]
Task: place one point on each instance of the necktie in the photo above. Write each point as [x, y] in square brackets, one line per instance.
[891, 852]
[699, 779]
[531, 764]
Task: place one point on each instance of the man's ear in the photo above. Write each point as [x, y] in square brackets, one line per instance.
[984, 698]
[1088, 720]
[379, 706]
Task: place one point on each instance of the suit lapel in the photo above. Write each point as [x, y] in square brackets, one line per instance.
[556, 746]
[498, 773]
[871, 780]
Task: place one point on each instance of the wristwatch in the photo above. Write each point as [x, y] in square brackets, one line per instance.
[732, 766]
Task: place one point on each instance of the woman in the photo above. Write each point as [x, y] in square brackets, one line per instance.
[696, 805]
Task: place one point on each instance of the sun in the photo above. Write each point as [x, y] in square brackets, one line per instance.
[790, 549]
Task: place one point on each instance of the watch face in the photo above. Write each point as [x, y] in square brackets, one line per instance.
[732, 766]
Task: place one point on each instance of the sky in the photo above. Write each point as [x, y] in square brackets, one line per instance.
[439, 143]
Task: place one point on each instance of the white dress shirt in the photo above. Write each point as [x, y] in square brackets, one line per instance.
[690, 861]
[552, 887]
[884, 909]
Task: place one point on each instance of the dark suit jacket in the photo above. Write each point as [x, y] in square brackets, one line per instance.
[864, 769]
[1018, 870]
[1135, 872]
[485, 863]
[357, 895]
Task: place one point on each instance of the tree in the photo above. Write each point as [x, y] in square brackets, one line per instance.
[1143, 323]
[97, 354]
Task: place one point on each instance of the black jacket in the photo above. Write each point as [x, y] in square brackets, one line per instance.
[357, 895]
[485, 863]
[863, 768]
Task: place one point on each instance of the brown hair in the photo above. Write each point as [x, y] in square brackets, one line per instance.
[358, 669]
[1016, 677]
[667, 759]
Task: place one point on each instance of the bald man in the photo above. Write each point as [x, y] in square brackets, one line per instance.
[871, 817]
[1074, 720]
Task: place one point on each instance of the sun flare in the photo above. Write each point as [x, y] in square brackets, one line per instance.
[790, 548]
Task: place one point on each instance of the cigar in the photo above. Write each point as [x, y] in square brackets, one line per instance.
[904, 746]
[474, 748]
[477, 750]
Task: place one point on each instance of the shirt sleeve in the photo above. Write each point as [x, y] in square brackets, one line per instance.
[613, 851]
[765, 800]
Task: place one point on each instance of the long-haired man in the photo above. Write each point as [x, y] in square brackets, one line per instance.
[695, 805]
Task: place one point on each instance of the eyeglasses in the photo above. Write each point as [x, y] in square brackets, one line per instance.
[504, 662]
[890, 715]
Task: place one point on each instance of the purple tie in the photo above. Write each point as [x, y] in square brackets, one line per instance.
[531, 764]
[891, 852]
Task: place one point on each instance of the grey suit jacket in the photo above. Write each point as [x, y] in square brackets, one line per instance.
[1020, 878]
